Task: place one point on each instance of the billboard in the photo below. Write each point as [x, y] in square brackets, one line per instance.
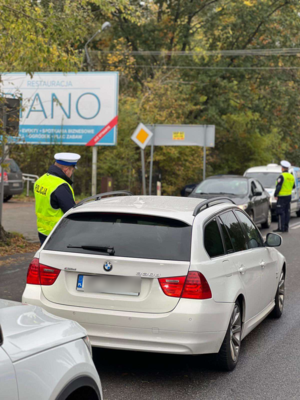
[69, 109]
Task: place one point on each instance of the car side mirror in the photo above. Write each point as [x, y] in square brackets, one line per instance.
[257, 192]
[273, 240]
[188, 191]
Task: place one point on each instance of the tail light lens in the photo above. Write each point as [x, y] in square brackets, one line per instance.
[39, 274]
[5, 177]
[33, 275]
[196, 287]
[172, 286]
[193, 286]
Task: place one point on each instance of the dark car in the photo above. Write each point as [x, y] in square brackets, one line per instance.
[247, 193]
[13, 183]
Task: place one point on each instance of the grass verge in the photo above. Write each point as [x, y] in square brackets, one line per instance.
[17, 244]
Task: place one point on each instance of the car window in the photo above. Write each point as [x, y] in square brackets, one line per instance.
[253, 235]
[130, 235]
[11, 166]
[227, 240]
[235, 231]
[268, 179]
[253, 187]
[234, 186]
[259, 187]
[212, 239]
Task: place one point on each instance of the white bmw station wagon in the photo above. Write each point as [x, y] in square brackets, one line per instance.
[160, 274]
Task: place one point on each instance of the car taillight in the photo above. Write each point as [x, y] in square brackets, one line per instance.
[39, 274]
[196, 287]
[33, 274]
[172, 286]
[5, 177]
[193, 286]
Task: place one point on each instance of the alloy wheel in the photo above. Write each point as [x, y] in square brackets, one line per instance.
[235, 332]
[281, 288]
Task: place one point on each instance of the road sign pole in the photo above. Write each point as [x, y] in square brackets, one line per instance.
[2, 161]
[204, 153]
[151, 163]
[94, 170]
[143, 172]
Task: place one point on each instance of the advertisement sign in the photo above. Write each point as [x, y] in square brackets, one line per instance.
[71, 109]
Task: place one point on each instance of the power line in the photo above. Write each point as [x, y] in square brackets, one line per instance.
[204, 53]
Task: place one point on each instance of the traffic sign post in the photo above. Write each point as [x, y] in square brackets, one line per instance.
[142, 136]
[174, 135]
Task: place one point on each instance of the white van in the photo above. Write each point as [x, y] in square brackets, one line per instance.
[267, 175]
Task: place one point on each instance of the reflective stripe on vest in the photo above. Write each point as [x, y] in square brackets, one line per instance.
[288, 184]
[47, 217]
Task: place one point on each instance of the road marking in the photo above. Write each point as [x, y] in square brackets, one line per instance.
[296, 227]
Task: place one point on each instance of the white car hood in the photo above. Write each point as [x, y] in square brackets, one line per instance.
[28, 330]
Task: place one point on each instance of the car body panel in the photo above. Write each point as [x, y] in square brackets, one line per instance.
[8, 381]
[74, 361]
[191, 326]
[23, 328]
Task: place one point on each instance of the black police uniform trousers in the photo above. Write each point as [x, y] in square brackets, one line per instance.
[283, 211]
[42, 238]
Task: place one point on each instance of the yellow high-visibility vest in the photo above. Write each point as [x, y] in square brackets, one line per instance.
[47, 217]
[288, 184]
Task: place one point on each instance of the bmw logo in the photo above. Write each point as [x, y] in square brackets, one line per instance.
[107, 266]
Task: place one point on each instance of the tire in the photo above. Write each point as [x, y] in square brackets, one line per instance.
[267, 224]
[228, 355]
[279, 297]
[7, 198]
[298, 213]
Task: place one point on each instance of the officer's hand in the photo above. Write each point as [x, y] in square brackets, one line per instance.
[276, 198]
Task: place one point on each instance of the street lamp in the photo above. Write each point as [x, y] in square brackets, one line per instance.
[105, 26]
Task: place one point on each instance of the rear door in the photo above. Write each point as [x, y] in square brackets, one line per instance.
[113, 261]
[14, 175]
[246, 263]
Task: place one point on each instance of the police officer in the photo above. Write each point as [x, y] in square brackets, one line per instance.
[283, 193]
[54, 194]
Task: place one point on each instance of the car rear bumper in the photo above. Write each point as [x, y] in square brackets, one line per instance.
[11, 190]
[193, 327]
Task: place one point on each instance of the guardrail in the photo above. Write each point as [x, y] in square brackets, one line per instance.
[29, 178]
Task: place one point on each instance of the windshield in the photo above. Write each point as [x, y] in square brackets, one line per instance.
[267, 179]
[129, 235]
[238, 187]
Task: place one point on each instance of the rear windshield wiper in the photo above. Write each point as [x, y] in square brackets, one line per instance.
[103, 249]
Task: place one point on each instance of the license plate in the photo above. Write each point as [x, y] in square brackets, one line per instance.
[16, 184]
[130, 286]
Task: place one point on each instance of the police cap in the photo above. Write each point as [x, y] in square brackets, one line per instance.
[285, 164]
[69, 159]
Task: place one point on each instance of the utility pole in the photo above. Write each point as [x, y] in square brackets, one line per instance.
[105, 26]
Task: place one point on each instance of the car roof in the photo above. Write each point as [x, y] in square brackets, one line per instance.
[228, 177]
[179, 208]
[265, 168]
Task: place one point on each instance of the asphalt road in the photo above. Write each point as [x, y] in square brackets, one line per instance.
[269, 365]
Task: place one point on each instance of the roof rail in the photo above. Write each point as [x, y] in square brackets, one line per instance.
[206, 204]
[101, 195]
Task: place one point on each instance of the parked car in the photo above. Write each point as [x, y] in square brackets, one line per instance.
[13, 184]
[187, 189]
[246, 192]
[161, 274]
[267, 175]
[44, 357]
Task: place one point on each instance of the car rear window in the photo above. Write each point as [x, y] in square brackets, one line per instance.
[129, 235]
[12, 166]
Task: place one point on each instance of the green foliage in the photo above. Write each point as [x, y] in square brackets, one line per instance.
[252, 100]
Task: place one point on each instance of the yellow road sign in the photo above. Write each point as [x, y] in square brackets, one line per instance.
[142, 136]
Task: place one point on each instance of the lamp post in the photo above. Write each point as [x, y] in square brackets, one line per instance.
[105, 26]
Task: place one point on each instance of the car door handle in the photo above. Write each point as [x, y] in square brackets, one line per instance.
[263, 264]
[242, 270]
